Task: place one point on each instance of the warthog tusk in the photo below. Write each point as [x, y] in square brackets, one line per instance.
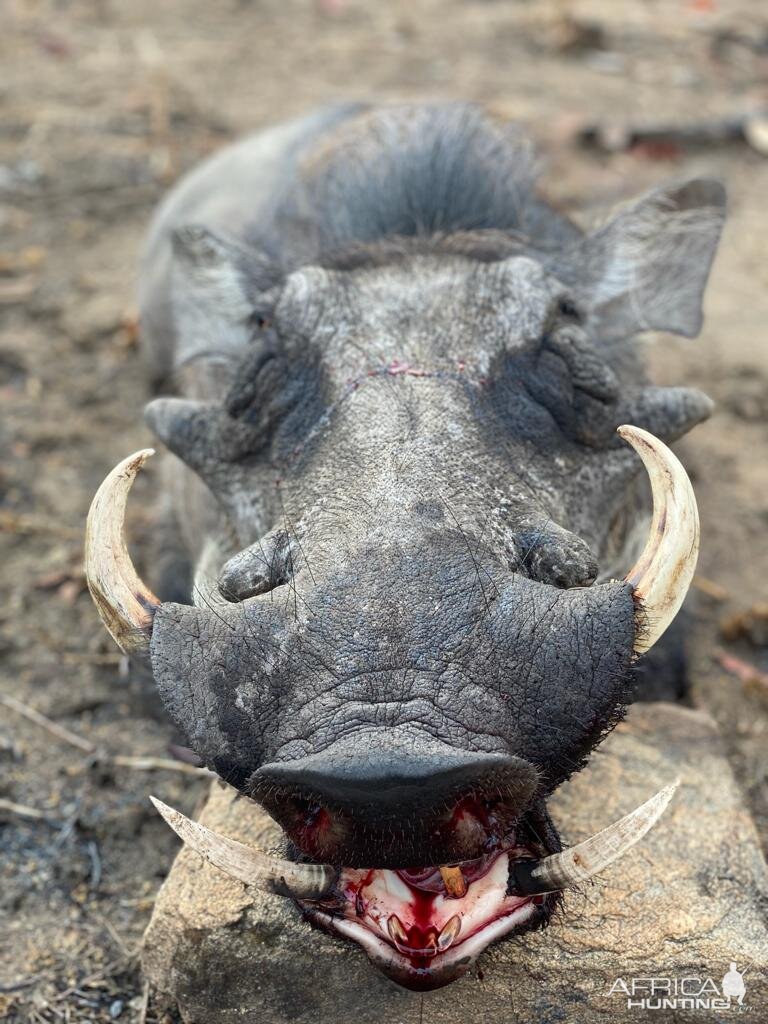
[250, 866]
[579, 863]
[126, 605]
[318, 881]
[662, 574]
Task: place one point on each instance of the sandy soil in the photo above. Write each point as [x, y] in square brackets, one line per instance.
[102, 106]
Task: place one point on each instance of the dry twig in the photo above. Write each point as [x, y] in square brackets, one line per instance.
[151, 764]
[45, 723]
[144, 1004]
[136, 763]
[23, 811]
[748, 674]
[12, 522]
[100, 975]
[709, 587]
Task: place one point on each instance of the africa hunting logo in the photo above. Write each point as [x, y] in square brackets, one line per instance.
[690, 992]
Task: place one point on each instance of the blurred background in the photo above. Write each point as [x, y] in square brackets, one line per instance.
[102, 106]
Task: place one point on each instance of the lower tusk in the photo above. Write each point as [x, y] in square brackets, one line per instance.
[579, 863]
[662, 574]
[126, 605]
[250, 866]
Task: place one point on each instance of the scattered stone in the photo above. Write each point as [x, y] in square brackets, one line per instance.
[751, 625]
[687, 902]
[10, 751]
[749, 398]
[13, 177]
[92, 319]
[18, 290]
[571, 35]
[756, 133]
[30, 258]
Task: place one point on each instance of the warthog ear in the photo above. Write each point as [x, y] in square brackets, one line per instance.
[647, 267]
[216, 285]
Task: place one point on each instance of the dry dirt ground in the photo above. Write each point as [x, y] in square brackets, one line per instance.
[102, 105]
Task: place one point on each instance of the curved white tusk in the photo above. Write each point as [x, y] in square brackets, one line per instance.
[125, 604]
[579, 863]
[662, 574]
[250, 866]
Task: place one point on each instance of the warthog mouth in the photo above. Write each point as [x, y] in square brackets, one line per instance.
[425, 927]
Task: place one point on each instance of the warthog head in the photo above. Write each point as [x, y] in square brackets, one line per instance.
[407, 631]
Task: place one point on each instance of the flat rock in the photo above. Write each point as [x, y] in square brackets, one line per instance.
[682, 905]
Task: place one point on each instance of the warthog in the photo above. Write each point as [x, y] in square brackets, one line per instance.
[409, 409]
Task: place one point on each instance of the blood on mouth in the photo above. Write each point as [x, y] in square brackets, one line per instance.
[420, 940]
[426, 914]
[411, 906]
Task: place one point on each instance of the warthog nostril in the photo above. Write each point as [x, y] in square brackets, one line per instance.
[313, 827]
[407, 801]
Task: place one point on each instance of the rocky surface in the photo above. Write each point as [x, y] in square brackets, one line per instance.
[685, 903]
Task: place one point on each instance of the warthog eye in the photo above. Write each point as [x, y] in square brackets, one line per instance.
[567, 309]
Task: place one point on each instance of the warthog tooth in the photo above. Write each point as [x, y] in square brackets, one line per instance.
[396, 930]
[449, 933]
[579, 863]
[454, 881]
[662, 574]
[250, 866]
[125, 604]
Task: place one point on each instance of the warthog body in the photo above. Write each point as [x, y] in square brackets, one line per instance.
[402, 499]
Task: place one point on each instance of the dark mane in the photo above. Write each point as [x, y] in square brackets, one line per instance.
[413, 176]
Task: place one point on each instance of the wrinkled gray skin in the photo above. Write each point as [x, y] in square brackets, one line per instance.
[401, 373]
